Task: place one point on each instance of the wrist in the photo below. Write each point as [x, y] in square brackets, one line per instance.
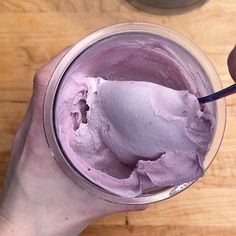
[22, 217]
[9, 228]
[15, 221]
[14, 224]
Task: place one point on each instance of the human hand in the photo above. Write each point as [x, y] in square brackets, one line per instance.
[38, 198]
[232, 63]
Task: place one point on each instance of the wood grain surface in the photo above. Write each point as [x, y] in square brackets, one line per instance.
[32, 31]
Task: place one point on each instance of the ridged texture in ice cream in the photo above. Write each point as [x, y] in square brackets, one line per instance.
[130, 136]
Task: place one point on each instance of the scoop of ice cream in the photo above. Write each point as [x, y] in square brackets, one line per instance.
[143, 120]
[131, 136]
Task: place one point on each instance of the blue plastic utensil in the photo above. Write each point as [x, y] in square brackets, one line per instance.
[220, 94]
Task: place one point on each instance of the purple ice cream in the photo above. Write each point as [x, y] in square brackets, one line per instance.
[127, 133]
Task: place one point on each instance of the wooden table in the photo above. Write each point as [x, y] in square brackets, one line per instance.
[32, 31]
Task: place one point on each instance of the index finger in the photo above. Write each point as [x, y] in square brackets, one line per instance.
[43, 75]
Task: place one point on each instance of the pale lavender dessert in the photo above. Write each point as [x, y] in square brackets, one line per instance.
[128, 117]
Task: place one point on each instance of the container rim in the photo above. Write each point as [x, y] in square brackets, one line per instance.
[73, 53]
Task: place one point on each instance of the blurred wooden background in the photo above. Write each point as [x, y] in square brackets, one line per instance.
[32, 31]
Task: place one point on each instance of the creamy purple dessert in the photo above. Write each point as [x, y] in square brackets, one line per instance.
[128, 117]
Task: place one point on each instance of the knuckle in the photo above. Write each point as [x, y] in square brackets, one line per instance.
[39, 75]
[40, 80]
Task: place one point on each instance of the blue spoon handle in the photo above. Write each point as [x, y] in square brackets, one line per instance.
[220, 94]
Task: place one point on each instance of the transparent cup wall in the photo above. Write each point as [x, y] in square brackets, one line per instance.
[204, 78]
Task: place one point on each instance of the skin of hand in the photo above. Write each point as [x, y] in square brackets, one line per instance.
[232, 64]
[38, 198]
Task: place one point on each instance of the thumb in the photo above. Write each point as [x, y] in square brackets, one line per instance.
[232, 63]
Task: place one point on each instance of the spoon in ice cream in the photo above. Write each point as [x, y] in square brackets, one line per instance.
[220, 94]
[227, 91]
